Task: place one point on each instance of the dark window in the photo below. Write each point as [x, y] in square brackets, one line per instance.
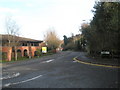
[24, 44]
[36, 44]
[32, 44]
[25, 53]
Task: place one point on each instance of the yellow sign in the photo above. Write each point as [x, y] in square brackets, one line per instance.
[44, 49]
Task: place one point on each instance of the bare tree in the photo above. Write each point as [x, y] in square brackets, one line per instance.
[12, 29]
[52, 39]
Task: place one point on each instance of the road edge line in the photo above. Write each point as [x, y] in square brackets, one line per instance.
[9, 84]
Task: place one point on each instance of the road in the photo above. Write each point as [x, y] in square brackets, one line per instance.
[58, 71]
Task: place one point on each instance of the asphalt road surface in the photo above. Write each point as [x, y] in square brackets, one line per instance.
[58, 71]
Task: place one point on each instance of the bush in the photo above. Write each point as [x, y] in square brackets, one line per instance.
[38, 52]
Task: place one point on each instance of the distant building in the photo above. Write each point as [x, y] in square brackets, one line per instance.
[25, 47]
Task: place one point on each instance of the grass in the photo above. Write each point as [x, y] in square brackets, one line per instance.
[0, 61]
[19, 59]
[26, 58]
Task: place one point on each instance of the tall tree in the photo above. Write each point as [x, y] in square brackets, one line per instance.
[103, 31]
[12, 29]
[65, 40]
[52, 39]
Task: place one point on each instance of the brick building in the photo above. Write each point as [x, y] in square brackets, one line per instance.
[25, 47]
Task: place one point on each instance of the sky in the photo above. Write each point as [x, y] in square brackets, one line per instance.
[35, 17]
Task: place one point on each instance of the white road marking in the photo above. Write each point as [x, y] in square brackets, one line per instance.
[8, 84]
[48, 61]
[74, 61]
[8, 77]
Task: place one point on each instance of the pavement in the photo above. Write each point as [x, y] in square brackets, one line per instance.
[84, 58]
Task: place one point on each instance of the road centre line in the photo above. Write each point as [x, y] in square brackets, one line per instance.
[75, 58]
[9, 84]
[48, 61]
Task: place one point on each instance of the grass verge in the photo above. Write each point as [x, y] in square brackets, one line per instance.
[26, 58]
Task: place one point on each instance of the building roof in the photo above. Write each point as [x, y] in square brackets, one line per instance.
[6, 37]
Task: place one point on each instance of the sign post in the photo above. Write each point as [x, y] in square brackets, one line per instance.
[44, 49]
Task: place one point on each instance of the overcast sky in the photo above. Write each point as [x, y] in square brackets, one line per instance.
[36, 16]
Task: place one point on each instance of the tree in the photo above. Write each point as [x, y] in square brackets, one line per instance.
[74, 43]
[12, 29]
[65, 40]
[103, 32]
[52, 39]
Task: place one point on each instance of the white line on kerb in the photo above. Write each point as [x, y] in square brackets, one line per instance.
[6, 85]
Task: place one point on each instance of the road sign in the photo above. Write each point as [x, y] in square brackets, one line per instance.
[44, 49]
